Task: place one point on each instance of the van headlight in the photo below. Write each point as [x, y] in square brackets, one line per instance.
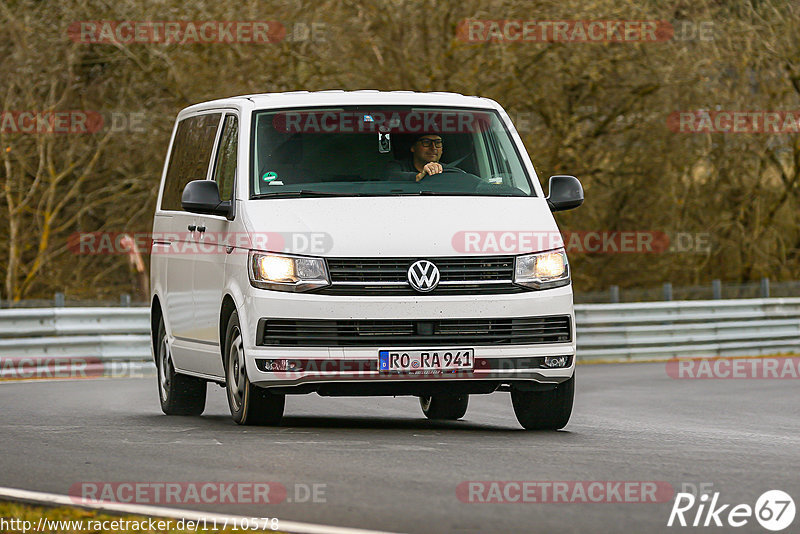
[543, 270]
[287, 273]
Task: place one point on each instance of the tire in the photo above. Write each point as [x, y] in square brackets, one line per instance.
[444, 407]
[179, 394]
[249, 404]
[544, 410]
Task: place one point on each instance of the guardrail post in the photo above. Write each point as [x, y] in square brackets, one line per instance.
[765, 288]
[614, 294]
[125, 300]
[716, 289]
[59, 300]
[667, 290]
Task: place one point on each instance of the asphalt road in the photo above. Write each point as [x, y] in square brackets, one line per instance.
[383, 466]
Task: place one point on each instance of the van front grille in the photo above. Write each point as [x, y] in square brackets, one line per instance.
[468, 275]
[408, 332]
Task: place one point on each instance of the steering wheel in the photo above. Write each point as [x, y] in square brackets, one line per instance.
[467, 178]
[445, 168]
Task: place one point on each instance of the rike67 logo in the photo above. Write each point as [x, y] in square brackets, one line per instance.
[774, 510]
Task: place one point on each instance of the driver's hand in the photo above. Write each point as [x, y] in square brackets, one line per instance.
[430, 168]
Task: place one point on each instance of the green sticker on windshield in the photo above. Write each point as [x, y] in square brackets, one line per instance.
[269, 176]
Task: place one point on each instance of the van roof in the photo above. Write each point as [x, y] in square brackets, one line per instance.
[344, 98]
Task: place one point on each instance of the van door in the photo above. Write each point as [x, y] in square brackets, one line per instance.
[213, 234]
[190, 159]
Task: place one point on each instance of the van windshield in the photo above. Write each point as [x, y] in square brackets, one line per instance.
[372, 151]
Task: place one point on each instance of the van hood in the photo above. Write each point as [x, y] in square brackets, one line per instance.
[402, 226]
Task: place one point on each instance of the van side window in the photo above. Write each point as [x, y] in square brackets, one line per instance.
[191, 154]
[225, 169]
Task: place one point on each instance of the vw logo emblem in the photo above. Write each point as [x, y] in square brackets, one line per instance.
[423, 276]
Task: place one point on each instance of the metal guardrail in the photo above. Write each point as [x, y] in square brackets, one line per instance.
[660, 330]
[48, 333]
[645, 330]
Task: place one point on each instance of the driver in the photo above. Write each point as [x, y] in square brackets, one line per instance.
[425, 155]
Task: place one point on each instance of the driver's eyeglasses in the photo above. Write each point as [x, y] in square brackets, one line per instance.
[428, 142]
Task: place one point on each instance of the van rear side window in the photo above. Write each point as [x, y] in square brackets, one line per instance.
[191, 154]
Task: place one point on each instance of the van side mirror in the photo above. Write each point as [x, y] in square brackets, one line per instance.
[202, 196]
[566, 193]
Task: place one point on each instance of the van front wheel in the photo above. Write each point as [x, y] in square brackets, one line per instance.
[249, 404]
[544, 410]
[179, 394]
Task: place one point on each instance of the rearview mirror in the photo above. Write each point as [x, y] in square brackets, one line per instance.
[566, 193]
[202, 196]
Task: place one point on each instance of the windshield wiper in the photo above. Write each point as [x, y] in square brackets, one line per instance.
[304, 193]
[434, 193]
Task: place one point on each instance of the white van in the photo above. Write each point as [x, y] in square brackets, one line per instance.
[360, 243]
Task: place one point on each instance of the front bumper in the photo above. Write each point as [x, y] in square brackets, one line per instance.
[516, 365]
[504, 364]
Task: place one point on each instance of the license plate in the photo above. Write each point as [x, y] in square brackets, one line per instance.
[425, 360]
